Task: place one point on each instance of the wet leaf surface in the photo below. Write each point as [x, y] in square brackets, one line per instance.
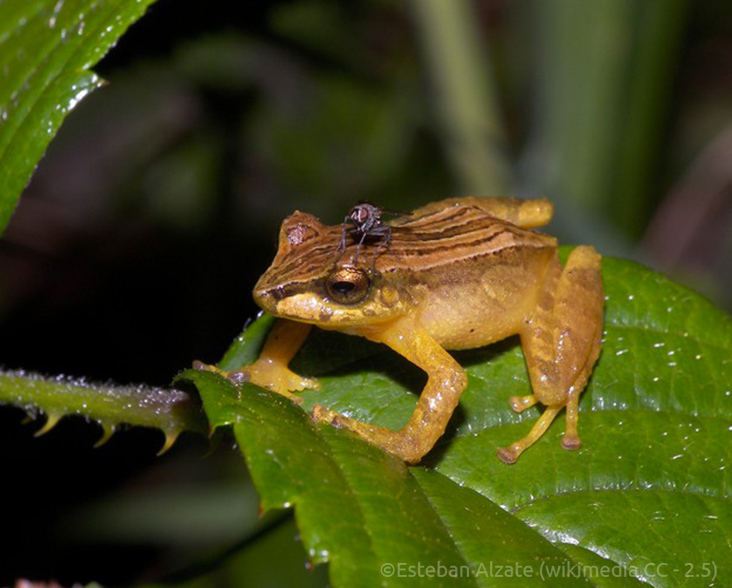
[47, 48]
[646, 499]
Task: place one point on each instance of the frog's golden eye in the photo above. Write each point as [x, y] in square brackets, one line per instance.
[348, 285]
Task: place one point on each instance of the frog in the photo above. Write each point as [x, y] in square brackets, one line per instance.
[460, 273]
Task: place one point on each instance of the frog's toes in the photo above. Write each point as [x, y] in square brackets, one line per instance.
[322, 414]
[239, 377]
[236, 377]
[291, 381]
[508, 455]
[294, 397]
[308, 383]
[521, 403]
[204, 367]
[571, 442]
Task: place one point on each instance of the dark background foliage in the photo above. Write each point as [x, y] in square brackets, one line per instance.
[135, 246]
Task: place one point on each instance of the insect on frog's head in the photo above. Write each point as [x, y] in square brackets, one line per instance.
[307, 283]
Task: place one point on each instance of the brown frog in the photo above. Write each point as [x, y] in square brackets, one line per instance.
[459, 274]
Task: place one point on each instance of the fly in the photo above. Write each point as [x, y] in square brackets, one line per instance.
[363, 222]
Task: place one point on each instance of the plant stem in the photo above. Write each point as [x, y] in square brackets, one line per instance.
[466, 102]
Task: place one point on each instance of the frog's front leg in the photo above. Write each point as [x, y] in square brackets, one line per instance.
[270, 369]
[561, 343]
[446, 382]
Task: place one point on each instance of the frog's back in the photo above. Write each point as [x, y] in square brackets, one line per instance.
[473, 275]
[456, 231]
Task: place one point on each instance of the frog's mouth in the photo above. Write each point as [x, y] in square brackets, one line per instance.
[267, 300]
[292, 304]
[268, 296]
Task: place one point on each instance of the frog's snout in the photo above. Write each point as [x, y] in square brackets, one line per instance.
[267, 299]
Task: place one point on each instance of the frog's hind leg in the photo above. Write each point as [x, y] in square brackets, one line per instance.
[527, 214]
[561, 343]
[571, 438]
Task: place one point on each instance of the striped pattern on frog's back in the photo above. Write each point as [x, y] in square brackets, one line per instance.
[455, 230]
[439, 234]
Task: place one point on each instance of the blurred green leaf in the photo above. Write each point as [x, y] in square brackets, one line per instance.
[364, 131]
[604, 71]
[46, 50]
[466, 103]
[647, 498]
[253, 566]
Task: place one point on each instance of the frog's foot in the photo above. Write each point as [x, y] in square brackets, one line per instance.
[278, 379]
[511, 453]
[401, 444]
[323, 414]
[269, 375]
[521, 403]
[207, 367]
[571, 442]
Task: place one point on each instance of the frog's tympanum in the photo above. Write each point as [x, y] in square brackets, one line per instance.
[459, 274]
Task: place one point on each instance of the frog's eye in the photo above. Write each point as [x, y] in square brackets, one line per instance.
[348, 285]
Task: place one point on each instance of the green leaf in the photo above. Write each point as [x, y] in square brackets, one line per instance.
[466, 100]
[606, 70]
[646, 499]
[46, 50]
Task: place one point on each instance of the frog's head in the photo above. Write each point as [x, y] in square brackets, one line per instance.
[310, 281]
